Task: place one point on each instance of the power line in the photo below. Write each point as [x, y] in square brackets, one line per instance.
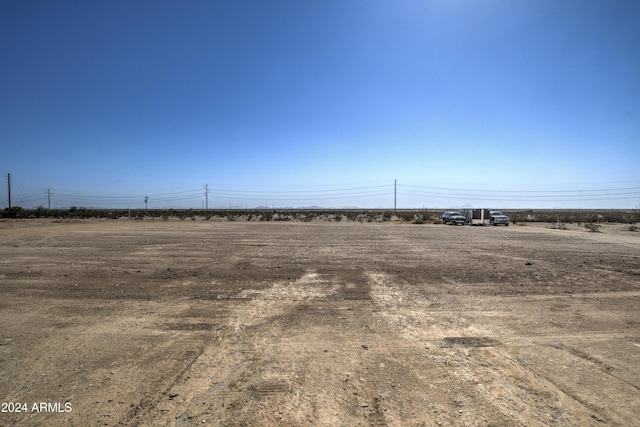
[388, 191]
[566, 198]
[284, 192]
[594, 194]
[523, 191]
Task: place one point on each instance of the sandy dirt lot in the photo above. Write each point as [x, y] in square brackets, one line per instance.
[143, 323]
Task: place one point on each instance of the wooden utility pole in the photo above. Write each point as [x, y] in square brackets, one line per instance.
[146, 199]
[9, 188]
[49, 197]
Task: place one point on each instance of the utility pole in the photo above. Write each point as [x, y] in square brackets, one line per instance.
[49, 197]
[146, 199]
[395, 198]
[206, 196]
[9, 188]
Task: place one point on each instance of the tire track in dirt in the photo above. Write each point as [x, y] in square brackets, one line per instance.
[249, 372]
[139, 413]
[225, 376]
[602, 366]
[586, 382]
[491, 384]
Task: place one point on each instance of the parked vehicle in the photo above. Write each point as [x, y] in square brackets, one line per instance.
[453, 218]
[477, 216]
[498, 217]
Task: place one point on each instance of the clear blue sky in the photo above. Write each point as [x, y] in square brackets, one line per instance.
[296, 103]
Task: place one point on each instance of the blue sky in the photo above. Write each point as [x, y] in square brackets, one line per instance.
[502, 103]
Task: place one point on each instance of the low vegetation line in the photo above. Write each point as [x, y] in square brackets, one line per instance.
[414, 216]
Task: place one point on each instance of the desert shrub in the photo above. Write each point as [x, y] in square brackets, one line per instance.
[362, 218]
[40, 212]
[559, 226]
[593, 227]
[418, 219]
[385, 216]
[520, 216]
[433, 217]
[356, 216]
[577, 216]
[14, 212]
[408, 216]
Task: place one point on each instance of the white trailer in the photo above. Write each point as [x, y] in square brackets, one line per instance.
[477, 216]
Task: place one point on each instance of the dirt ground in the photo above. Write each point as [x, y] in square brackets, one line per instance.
[143, 323]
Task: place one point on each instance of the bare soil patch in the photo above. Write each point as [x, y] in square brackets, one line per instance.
[143, 323]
